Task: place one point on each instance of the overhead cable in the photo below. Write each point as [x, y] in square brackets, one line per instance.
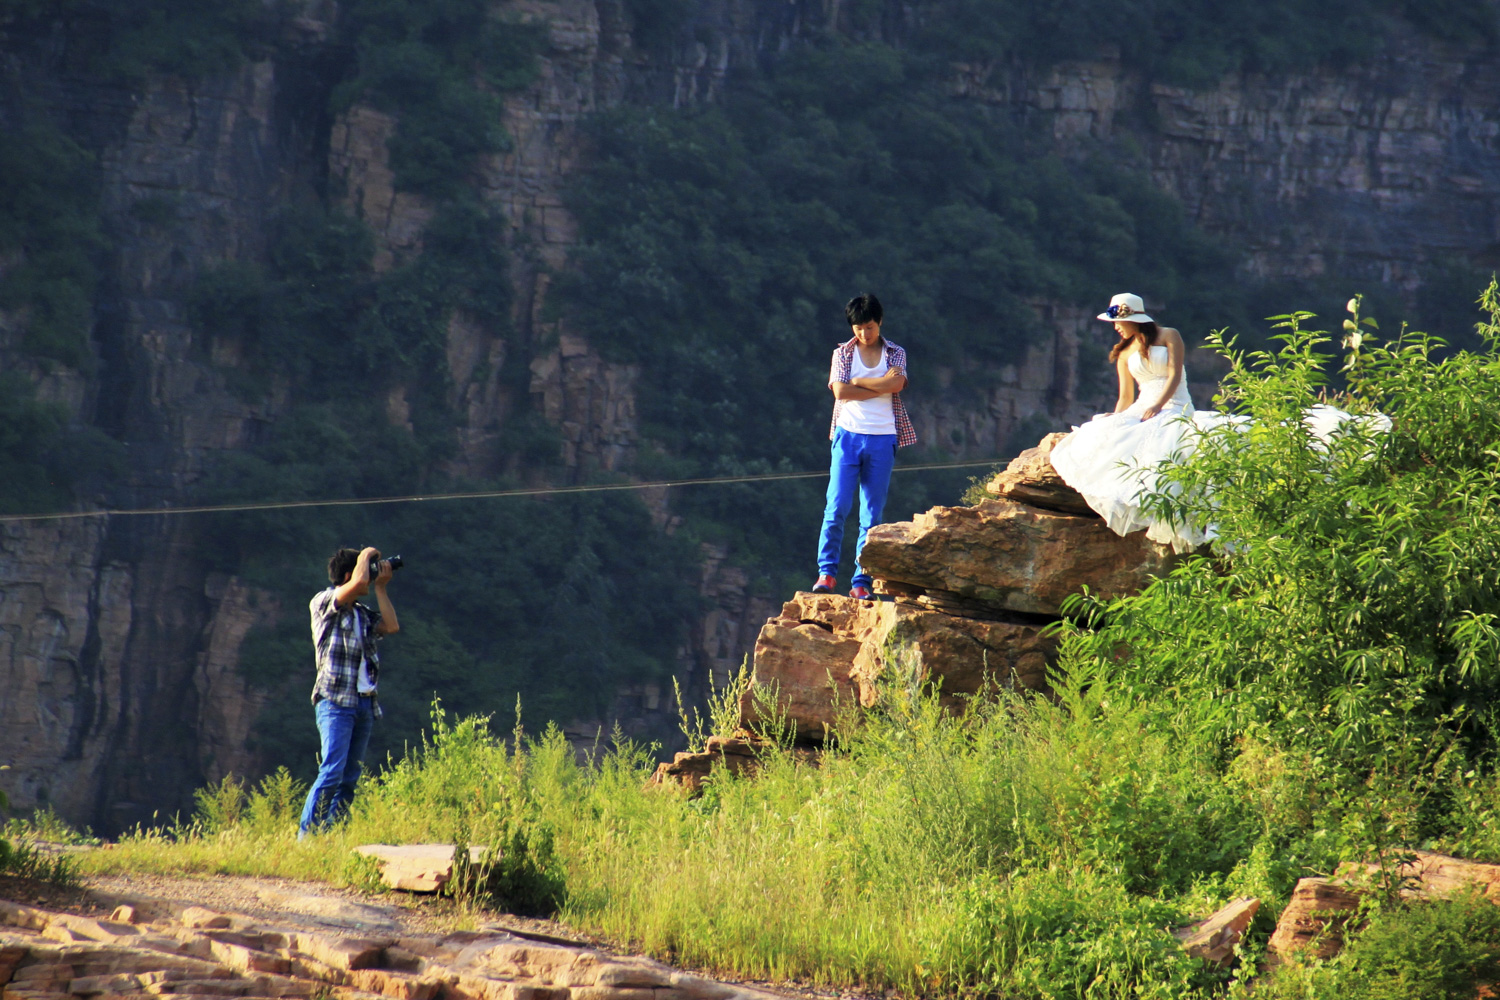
[470, 495]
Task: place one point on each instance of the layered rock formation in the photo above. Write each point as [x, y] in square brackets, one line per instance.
[971, 590]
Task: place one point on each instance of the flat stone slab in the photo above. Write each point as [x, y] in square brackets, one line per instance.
[416, 867]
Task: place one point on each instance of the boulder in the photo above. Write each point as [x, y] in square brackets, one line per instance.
[689, 769]
[416, 867]
[962, 655]
[1011, 556]
[1213, 939]
[1432, 875]
[1313, 923]
[807, 667]
[1030, 479]
[825, 651]
[201, 917]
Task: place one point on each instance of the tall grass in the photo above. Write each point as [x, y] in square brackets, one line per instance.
[1029, 848]
[1027, 843]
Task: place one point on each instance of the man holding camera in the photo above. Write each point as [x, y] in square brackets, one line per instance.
[344, 700]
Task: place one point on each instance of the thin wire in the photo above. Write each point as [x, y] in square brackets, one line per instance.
[478, 495]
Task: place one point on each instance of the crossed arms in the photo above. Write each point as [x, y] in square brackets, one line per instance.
[869, 388]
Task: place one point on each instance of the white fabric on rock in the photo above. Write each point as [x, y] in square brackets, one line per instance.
[1110, 460]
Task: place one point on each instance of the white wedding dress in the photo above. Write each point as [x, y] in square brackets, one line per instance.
[1111, 459]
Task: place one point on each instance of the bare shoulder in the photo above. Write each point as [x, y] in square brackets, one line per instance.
[1169, 335]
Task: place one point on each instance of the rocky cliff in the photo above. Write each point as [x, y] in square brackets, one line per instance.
[119, 687]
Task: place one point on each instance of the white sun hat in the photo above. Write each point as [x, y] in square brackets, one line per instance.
[1128, 307]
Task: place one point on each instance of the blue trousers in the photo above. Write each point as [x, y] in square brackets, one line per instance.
[863, 462]
[345, 733]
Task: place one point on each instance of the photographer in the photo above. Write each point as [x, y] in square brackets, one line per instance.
[344, 694]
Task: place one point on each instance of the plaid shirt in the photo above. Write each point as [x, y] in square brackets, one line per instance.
[895, 359]
[342, 637]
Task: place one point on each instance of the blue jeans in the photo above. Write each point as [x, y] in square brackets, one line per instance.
[345, 733]
[865, 461]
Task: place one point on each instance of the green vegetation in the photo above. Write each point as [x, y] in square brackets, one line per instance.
[129, 39]
[22, 859]
[534, 598]
[523, 598]
[420, 60]
[1317, 691]
[49, 237]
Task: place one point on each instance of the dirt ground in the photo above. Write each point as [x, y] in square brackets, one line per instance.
[316, 907]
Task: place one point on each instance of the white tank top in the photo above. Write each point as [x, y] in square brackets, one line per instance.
[868, 416]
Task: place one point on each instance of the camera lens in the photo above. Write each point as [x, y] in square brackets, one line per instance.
[395, 562]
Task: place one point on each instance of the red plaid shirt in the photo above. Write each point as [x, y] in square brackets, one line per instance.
[895, 360]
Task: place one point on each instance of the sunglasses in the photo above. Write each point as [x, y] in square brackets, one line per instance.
[1119, 312]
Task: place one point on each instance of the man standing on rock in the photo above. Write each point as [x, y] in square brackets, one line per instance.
[869, 424]
[344, 700]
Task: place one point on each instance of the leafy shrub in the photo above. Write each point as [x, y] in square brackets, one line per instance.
[520, 873]
[1433, 950]
[1352, 603]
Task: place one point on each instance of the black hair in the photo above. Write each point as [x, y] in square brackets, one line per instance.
[863, 309]
[1146, 332]
[342, 564]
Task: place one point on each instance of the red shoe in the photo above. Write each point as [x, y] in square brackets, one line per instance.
[861, 593]
[825, 584]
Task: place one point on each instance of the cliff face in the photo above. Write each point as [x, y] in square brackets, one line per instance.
[1378, 168]
[119, 680]
[120, 640]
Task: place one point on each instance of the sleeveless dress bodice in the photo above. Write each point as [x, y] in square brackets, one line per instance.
[1109, 459]
[1151, 372]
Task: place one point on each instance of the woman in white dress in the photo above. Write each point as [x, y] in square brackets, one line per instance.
[1110, 459]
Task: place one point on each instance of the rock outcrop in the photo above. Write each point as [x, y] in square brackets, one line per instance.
[1214, 939]
[1313, 923]
[416, 867]
[738, 755]
[1030, 479]
[968, 595]
[1320, 911]
[1011, 556]
[826, 653]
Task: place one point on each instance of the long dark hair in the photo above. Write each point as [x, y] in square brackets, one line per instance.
[1144, 332]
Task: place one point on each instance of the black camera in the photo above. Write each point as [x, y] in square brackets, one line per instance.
[395, 562]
